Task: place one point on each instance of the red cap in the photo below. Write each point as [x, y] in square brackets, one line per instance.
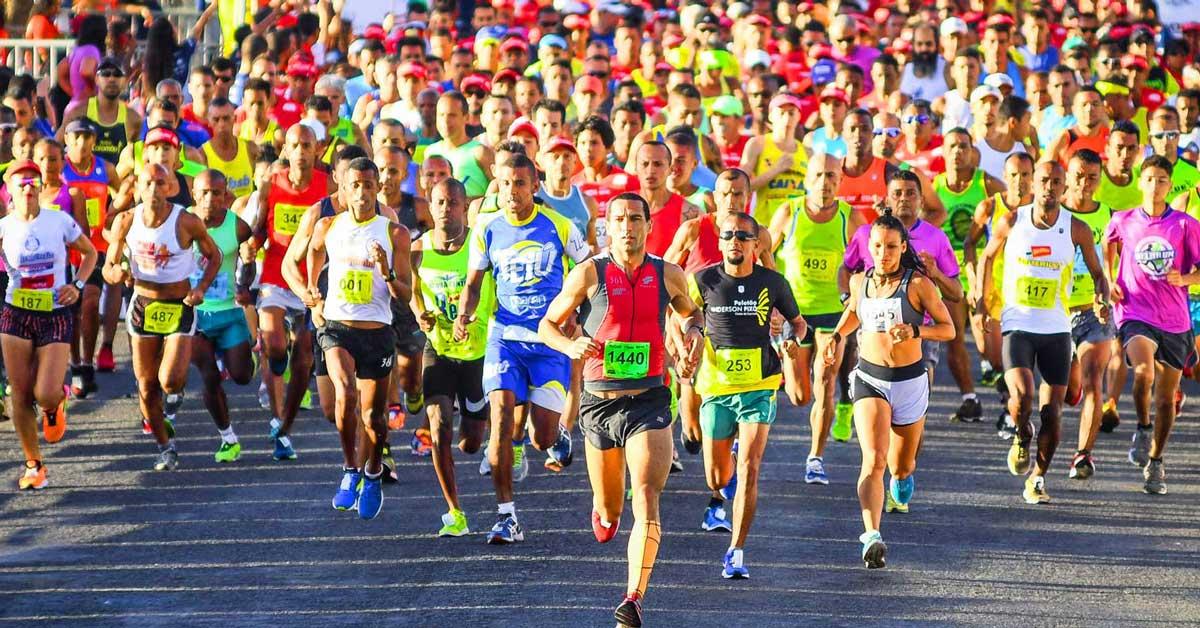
[1000, 19]
[287, 20]
[501, 5]
[577, 23]
[673, 40]
[1119, 31]
[588, 83]
[1133, 61]
[475, 81]
[835, 92]
[664, 66]
[899, 45]
[374, 31]
[300, 67]
[972, 17]
[1118, 9]
[560, 142]
[1191, 27]
[514, 43]
[506, 74]
[821, 51]
[412, 69]
[786, 100]
[522, 125]
[23, 165]
[162, 134]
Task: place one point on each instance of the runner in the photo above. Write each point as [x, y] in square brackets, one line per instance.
[116, 124]
[668, 210]
[741, 372]
[599, 179]
[453, 370]
[776, 162]
[1038, 243]
[525, 248]
[37, 316]
[367, 270]
[227, 153]
[222, 335]
[471, 160]
[157, 239]
[1147, 245]
[626, 407]
[891, 387]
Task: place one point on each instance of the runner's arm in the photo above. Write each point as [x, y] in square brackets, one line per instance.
[79, 211]
[83, 244]
[113, 272]
[849, 320]
[1112, 258]
[994, 249]
[689, 335]
[198, 235]
[593, 208]
[765, 251]
[73, 112]
[579, 284]
[983, 215]
[942, 329]
[779, 222]
[933, 210]
[685, 237]
[1081, 235]
[316, 259]
[400, 283]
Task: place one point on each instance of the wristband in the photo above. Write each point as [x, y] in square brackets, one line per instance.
[391, 275]
[916, 330]
[844, 297]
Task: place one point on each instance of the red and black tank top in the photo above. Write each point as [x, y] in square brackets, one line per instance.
[627, 314]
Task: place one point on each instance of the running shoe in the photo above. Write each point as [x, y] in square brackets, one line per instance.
[77, 390]
[1156, 478]
[734, 566]
[370, 497]
[104, 361]
[891, 505]
[1082, 466]
[814, 471]
[843, 422]
[485, 467]
[54, 422]
[1035, 490]
[454, 523]
[395, 417]
[969, 411]
[264, 398]
[602, 533]
[629, 612]
[89, 379]
[874, 551]
[422, 442]
[899, 493]
[171, 403]
[1005, 427]
[988, 376]
[283, 449]
[34, 478]
[414, 403]
[1109, 419]
[346, 497]
[676, 464]
[520, 465]
[1139, 453]
[168, 460]
[389, 465]
[146, 427]
[1018, 457]
[506, 531]
[306, 401]
[1180, 399]
[229, 452]
[715, 519]
[276, 425]
[690, 446]
[561, 450]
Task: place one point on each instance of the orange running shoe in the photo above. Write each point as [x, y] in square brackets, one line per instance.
[54, 423]
[395, 417]
[34, 477]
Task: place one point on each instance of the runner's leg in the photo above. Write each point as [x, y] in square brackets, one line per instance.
[872, 421]
[820, 418]
[1164, 409]
[752, 442]
[500, 454]
[606, 474]
[1140, 350]
[903, 446]
[441, 428]
[147, 356]
[648, 455]
[18, 355]
[1093, 361]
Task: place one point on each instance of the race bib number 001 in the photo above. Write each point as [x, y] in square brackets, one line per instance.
[356, 286]
[626, 360]
[163, 318]
[287, 218]
[1036, 292]
[738, 367]
[36, 300]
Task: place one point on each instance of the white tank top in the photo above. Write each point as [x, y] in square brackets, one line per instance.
[35, 254]
[154, 253]
[991, 161]
[357, 292]
[1037, 275]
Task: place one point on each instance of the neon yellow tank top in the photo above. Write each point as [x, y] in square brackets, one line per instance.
[810, 256]
[786, 186]
[239, 172]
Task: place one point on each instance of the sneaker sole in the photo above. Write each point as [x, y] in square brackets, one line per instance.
[706, 528]
[1034, 501]
[444, 534]
[734, 576]
[1150, 491]
[876, 556]
[498, 540]
[376, 513]
[353, 507]
[824, 482]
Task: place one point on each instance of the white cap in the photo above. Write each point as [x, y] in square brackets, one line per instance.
[756, 57]
[998, 80]
[737, 9]
[984, 91]
[953, 25]
[318, 129]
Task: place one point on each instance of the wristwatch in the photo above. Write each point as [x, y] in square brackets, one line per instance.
[79, 284]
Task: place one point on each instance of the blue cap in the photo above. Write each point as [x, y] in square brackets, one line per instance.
[495, 31]
[552, 40]
[823, 72]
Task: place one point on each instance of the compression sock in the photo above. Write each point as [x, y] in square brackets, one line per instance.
[643, 550]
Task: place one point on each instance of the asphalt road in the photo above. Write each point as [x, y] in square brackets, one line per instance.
[112, 543]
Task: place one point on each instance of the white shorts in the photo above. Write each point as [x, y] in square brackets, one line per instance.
[905, 389]
[272, 296]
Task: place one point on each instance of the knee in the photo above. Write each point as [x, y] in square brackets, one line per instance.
[748, 472]
[1050, 416]
[874, 461]
[49, 397]
[148, 387]
[1144, 372]
[469, 445]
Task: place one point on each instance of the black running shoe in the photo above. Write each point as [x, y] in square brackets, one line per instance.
[969, 412]
[629, 613]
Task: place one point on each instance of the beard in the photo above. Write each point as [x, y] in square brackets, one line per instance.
[924, 63]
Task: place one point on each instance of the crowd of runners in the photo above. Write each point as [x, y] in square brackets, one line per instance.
[642, 221]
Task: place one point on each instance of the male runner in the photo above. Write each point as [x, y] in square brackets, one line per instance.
[471, 161]
[668, 210]
[226, 152]
[625, 409]
[117, 125]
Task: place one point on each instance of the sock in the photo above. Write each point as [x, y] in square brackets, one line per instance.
[968, 396]
[518, 443]
[366, 473]
[643, 550]
[346, 469]
[715, 502]
[1144, 427]
[228, 436]
[170, 445]
[507, 508]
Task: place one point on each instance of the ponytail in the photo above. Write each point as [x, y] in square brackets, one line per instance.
[909, 259]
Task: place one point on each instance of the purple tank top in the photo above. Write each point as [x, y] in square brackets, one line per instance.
[80, 85]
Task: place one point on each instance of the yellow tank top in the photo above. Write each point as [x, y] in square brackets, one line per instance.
[786, 186]
[267, 137]
[239, 171]
[999, 210]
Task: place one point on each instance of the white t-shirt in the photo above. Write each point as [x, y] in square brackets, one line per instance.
[35, 254]
[928, 87]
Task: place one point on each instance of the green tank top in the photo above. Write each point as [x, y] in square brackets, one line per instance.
[423, 144]
[810, 256]
[697, 198]
[1083, 289]
[343, 130]
[960, 207]
[1118, 197]
[220, 293]
[443, 278]
[463, 163]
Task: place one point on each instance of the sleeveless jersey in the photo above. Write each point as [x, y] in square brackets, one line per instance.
[357, 292]
[615, 182]
[285, 206]
[1083, 288]
[343, 130]
[1077, 142]
[572, 207]
[862, 191]
[707, 249]
[154, 252]
[266, 137]
[443, 277]
[239, 171]
[110, 138]
[1037, 275]
[35, 256]
[423, 144]
[1118, 197]
[788, 185]
[810, 255]
[93, 184]
[220, 293]
[879, 314]
[463, 164]
[666, 222]
[960, 208]
[731, 155]
[628, 315]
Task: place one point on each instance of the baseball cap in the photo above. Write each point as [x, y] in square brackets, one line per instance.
[758, 20]
[162, 134]
[951, 26]
[412, 69]
[560, 143]
[514, 43]
[836, 93]
[1133, 61]
[823, 72]
[24, 165]
[738, 9]
[756, 57]
[785, 100]
[522, 125]
[556, 41]
[820, 51]
[985, 91]
[109, 63]
[588, 83]
[727, 106]
[1074, 42]
[998, 80]
[506, 74]
[301, 67]
[1108, 88]
[475, 81]
[616, 7]
[374, 31]
[80, 125]
[577, 23]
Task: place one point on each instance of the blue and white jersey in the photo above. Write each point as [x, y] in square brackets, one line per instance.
[529, 261]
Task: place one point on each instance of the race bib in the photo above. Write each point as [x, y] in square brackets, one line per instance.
[356, 286]
[1036, 292]
[36, 300]
[738, 367]
[163, 318]
[819, 265]
[601, 233]
[93, 211]
[218, 290]
[287, 218]
[626, 360]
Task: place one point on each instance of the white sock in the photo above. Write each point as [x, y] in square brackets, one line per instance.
[507, 508]
[228, 436]
[968, 396]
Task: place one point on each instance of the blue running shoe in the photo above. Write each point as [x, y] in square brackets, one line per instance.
[734, 568]
[814, 471]
[902, 490]
[716, 519]
[370, 497]
[506, 531]
[276, 425]
[283, 449]
[874, 552]
[730, 488]
[346, 497]
[561, 451]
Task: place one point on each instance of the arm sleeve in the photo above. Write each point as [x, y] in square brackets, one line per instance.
[71, 229]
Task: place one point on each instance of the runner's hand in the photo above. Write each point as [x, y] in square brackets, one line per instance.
[243, 297]
[310, 298]
[318, 314]
[379, 256]
[791, 348]
[930, 263]
[1103, 309]
[829, 353]
[67, 295]
[1114, 293]
[427, 320]
[694, 344]
[1175, 278]
[900, 332]
[584, 347]
[195, 297]
[460, 327]
[115, 273]
[776, 323]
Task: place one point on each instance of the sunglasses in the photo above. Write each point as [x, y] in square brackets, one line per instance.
[845, 40]
[1089, 29]
[30, 182]
[222, 78]
[547, 25]
[742, 236]
[1165, 135]
[890, 131]
[920, 118]
[1110, 61]
[110, 74]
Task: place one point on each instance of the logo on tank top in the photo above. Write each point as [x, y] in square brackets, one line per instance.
[525, 263]
[1154, 256]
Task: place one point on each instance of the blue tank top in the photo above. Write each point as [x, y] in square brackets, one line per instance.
[572, 207]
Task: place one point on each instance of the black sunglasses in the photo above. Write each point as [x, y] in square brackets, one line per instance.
[742, 236]
[110, 73]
